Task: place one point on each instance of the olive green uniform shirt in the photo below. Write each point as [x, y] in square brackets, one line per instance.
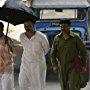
[64, 52]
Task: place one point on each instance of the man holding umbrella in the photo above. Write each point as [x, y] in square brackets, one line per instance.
[6, 61]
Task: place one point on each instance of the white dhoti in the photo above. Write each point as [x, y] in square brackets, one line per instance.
[0, 85]
[7, 82]
[33, 78]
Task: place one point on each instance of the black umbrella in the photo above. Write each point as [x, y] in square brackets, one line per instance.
[15, 12]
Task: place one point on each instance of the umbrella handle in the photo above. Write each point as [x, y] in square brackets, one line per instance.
[6, 39]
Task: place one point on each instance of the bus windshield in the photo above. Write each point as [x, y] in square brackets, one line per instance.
[62, 13]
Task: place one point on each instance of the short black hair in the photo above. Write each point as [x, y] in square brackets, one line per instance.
[65, 22]
[33, 22]
[1, 25]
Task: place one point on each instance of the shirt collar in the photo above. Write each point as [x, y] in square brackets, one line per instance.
[71, 34]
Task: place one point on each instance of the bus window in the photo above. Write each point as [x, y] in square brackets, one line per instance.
[55, 14]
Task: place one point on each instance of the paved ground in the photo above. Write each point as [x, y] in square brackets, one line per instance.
[50, 85]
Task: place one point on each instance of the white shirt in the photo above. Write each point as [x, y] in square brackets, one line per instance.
[35, 48]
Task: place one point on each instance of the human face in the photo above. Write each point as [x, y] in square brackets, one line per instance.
[28, 25]
[65, 27]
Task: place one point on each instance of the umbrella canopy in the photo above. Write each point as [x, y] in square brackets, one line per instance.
[15, 12]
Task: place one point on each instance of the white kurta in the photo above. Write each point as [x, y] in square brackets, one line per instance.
[33, 66]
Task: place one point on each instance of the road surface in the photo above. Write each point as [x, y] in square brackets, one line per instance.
[50, 85]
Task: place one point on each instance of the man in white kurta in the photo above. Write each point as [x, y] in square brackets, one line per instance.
[33, 66]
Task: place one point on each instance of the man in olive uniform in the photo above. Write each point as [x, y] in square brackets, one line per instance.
[65, 49]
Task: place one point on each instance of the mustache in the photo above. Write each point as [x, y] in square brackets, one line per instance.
[29, 30]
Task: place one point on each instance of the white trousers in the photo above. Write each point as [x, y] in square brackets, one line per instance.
[7, 82]
[0, 85]
[33, 78]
